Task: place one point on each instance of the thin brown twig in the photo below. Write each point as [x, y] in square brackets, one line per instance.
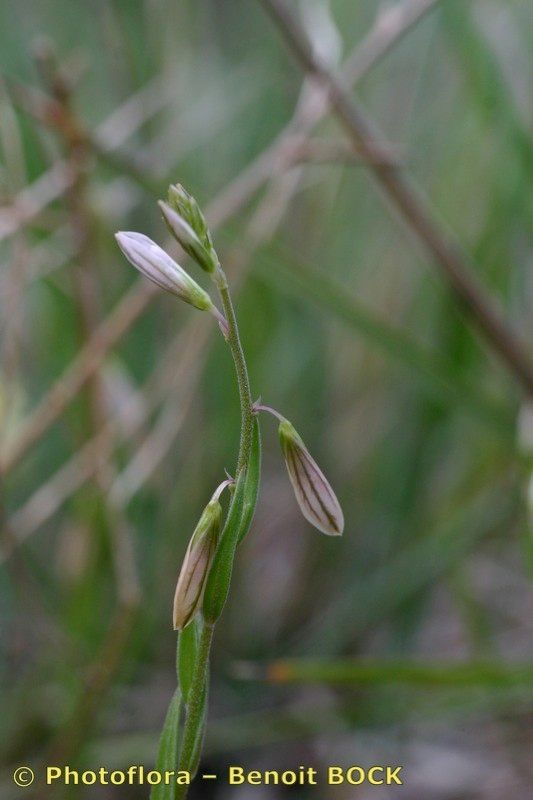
[33, 199]
[95, 684]
[88, 360]
[321, 151]
[15, 275]
[413, 206]
[390, 26]
[159, 440]
[86, 295]
[109, 136]
[48, 498]
[51, 112]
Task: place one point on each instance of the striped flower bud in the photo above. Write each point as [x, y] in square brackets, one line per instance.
[159, 267]
[316, 498]
[188, 238]
[196, 564]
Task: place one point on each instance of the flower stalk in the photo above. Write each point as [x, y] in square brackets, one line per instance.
[205, 576]
[241, 370]
[193, 729]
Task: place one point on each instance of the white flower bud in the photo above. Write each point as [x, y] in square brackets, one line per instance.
[152, 261]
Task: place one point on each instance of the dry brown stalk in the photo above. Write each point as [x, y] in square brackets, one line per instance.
[413, 206]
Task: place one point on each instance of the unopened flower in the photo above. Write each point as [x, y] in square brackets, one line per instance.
[154, 263]
[197, 561]
[316, 498]
[188, 238]
[186, 206]
[186, 222]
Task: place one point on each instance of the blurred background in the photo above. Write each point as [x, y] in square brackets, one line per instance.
[409, 640]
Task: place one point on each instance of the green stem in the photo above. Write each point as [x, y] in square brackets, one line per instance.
[195, 708]
[192, 731]
[243, 381]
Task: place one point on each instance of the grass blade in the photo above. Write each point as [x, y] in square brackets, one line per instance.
[362, 673]
[167, 756]
[187, 652]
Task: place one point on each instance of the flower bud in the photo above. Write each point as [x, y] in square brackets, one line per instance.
[187, 207]
[188, 238]
[159, 267]
[316, 498]
[196, 564]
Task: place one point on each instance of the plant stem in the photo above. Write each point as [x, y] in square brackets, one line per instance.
[243, 381]
[197, 693]
[195, 706]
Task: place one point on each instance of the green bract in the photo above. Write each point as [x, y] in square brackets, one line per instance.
[182, 231]
[187, 207]
[187, 223]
